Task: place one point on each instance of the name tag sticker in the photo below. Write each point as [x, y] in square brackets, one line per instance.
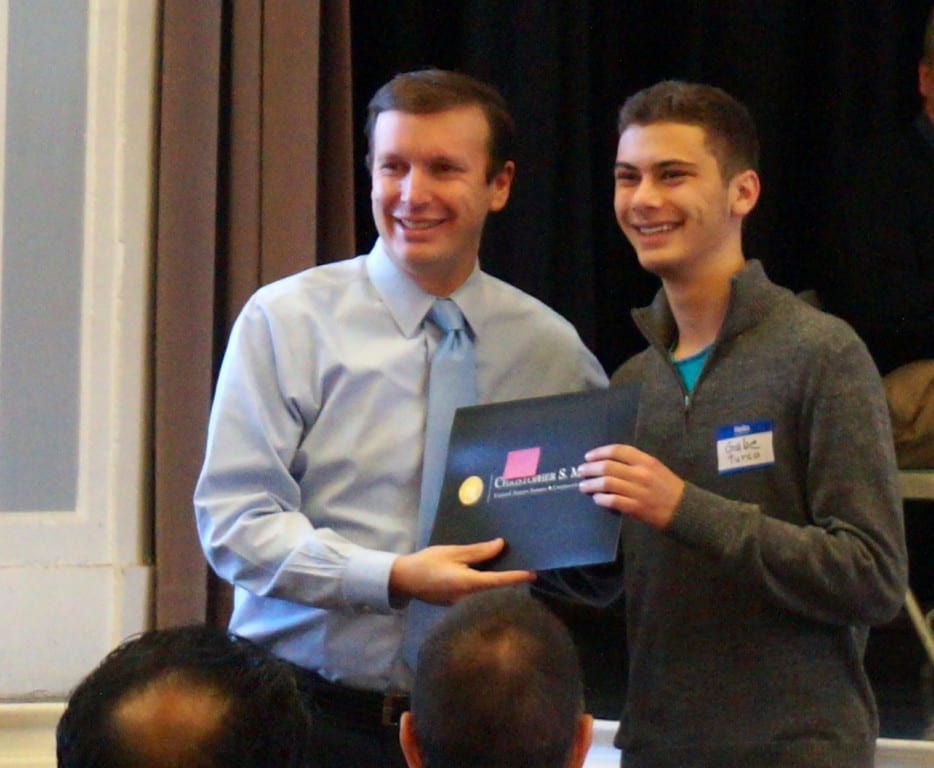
[744, 446]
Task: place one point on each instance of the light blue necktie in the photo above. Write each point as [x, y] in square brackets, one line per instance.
[452, 382]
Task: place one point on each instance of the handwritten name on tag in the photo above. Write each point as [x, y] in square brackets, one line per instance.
[744, 446]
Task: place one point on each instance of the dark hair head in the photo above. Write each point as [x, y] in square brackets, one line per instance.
[427, 91]
[729, 128]
[498, 685]
[260, 722]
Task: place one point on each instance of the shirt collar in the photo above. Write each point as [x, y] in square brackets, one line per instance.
[752, 296]
[407, 303]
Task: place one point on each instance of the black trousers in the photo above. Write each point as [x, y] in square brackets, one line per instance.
[336, 743]
[351, 728]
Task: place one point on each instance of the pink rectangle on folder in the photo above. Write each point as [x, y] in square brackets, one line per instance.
[521, 463]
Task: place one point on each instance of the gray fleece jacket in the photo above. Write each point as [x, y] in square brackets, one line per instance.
[747, 620]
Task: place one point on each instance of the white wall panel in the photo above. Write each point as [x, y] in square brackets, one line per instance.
[75, 574]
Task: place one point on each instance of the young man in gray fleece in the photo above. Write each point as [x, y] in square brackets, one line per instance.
[762, 520]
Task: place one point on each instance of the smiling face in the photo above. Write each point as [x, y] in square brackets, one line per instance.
[431, 193]
[673, 204]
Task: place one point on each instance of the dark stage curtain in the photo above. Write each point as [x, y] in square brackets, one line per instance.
[816, 76]
[254, 182]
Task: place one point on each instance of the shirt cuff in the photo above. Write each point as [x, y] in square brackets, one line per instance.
[366, 579]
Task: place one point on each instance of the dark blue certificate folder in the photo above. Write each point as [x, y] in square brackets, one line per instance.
[512, 472]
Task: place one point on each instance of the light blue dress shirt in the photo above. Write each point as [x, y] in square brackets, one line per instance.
[310, 484]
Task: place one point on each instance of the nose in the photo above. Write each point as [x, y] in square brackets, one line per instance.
[414, 187]
[645, 194]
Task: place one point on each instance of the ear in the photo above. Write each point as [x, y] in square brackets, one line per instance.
[744, 192]
[409, 741]
[500, 186]
[926, 80]
[582, 741]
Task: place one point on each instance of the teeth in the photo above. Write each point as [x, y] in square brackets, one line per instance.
[410, 224]
[656, 229]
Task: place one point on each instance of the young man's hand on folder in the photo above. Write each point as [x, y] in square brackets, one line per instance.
[630, 481]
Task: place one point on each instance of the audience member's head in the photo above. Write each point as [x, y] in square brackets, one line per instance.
[498, 685]
[729, 128]
[189, 696]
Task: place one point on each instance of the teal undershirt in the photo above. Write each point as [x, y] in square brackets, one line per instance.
[690, 368]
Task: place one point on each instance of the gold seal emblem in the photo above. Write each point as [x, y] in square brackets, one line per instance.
[470, 491]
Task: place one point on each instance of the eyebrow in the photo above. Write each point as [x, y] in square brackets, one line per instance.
[661, 165]
[433, 159]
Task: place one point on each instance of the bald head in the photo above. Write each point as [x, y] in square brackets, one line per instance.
[192, 696]
[170, 721]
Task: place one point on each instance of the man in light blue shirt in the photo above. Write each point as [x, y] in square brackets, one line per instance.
[309, 495]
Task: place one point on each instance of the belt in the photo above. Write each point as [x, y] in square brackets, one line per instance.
[368, 709]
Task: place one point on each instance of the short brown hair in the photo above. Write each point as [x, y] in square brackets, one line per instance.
[426, 91]
[730, 130]
[498, 685]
